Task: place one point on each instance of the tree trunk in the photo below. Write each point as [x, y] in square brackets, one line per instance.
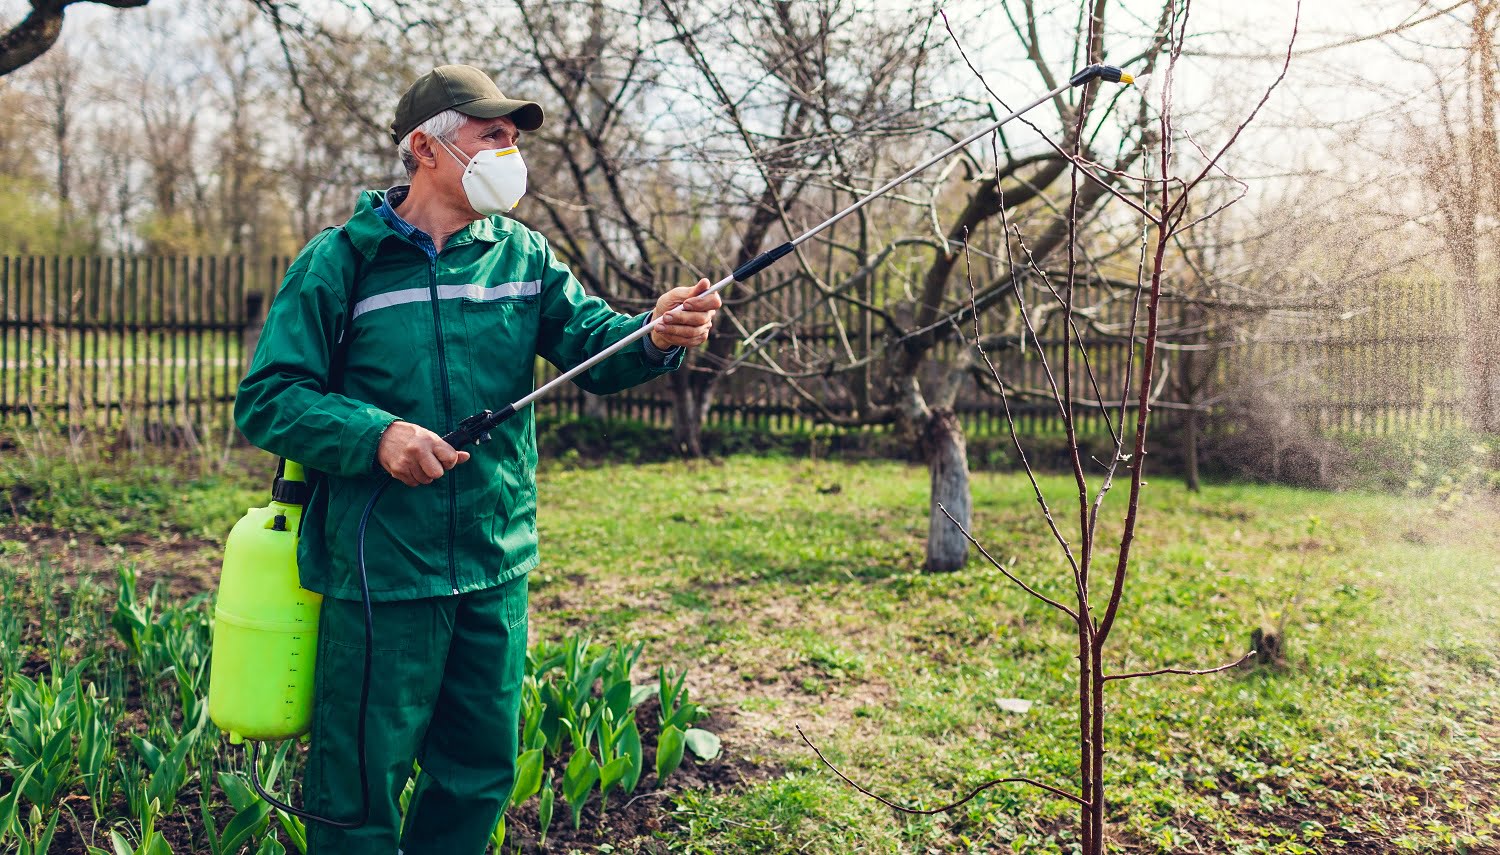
[1096, 745]
[1483, 339]
[688, 412]
[1191, 448]
[947, 459]
[1481, 307]
[1483, 336]
[1085, 730]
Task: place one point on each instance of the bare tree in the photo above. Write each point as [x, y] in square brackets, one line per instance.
[1461, 157]
[1175, 168]
[846, 83]
[59, 78]
[171, 129]
[903, 379]
[684, 134]
[240, 92]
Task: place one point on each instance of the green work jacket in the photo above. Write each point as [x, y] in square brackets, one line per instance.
[428, 341]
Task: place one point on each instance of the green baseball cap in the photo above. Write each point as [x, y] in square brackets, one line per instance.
[463, 88]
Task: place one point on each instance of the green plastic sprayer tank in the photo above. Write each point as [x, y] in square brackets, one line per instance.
[265, 637]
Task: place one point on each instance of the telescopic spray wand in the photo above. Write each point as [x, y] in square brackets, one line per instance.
[476, 428]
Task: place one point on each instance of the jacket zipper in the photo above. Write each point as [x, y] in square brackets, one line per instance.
[437, 327]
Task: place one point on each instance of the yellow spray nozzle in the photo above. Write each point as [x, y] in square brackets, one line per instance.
[1108, 73]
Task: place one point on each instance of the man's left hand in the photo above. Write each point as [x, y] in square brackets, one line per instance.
[689, 316]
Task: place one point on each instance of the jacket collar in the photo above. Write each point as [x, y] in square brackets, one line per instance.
[367, 229]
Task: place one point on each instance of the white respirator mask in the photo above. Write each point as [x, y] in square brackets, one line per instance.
[494, 179]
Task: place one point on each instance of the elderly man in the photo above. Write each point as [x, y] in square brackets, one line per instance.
[427, 306]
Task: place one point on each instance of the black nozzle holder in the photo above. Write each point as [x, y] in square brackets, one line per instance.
[476, 428]
[1107, 73]
[287, 492]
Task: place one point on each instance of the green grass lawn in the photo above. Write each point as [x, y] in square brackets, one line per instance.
[802, 605]
[791, 592]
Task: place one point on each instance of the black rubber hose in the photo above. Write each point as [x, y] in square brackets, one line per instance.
[480, 423]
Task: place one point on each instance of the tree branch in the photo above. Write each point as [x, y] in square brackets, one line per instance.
[1189, 672]
[928, 811]
[1001, 567]
[38, 31]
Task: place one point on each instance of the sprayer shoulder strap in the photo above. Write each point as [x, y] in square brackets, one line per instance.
[354, 271]
[352, 274]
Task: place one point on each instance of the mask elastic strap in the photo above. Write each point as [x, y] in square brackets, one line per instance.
[453, 152]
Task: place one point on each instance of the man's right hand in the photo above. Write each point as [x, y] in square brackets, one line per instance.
[415, 455]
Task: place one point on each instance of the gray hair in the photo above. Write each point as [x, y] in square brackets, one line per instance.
[443, 126]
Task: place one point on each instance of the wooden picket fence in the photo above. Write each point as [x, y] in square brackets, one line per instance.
[159, 344]
[124, 340]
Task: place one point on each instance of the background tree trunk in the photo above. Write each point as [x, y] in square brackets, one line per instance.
[1190, 447]
[688, 413]
[947, 457]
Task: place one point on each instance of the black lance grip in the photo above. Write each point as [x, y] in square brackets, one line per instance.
[761, 262]
[476, 428]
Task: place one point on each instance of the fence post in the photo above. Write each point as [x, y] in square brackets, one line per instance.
[255, 319]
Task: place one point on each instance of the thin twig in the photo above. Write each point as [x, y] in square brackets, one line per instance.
[976, 791]
[1001, 567]
[1189, 672]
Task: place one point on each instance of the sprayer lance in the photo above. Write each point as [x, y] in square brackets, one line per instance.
[476, 428]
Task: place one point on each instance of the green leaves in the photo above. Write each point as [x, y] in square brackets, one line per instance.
[251, 821]
[617, 699]
[169, 771]
[611, 773]
[579, 735]
[42, 721]
[544, 809]
[497, 834]
[295, 829]
[676, 715]
[704, 745]
[150, 843]
[579, 703]
[630, 748]
[132, 619]
[532, 709]
[578, 780]
[11, 801]
[60, 732]
[96, 749]
[676, 711]
[34, 837]
[528, 776]
[669, 745]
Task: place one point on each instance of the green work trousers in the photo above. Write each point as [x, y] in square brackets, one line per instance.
[445, 691]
